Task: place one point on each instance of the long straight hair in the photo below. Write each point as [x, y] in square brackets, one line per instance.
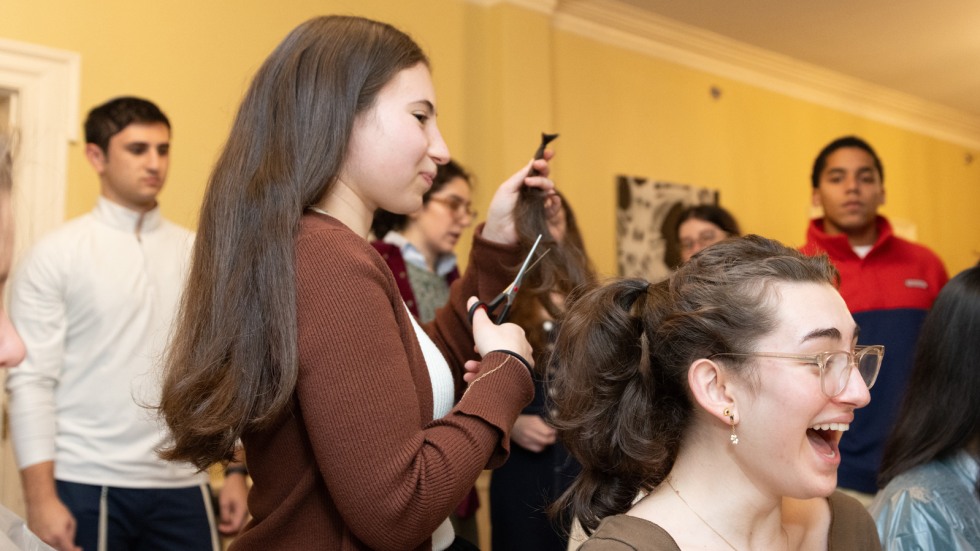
[537, 290]
[939, 416]
[232, 365]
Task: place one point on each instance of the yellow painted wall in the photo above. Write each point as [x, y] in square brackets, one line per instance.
[622, 112]
[504, 74]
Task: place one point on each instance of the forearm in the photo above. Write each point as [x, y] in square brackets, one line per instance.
[32, 418]
[38, 483]
[491, 268]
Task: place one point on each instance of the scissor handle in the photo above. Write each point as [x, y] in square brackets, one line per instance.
[489, 307]
[472, 310]
[507, 296]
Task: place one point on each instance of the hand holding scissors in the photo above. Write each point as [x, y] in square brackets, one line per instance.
[507, 296]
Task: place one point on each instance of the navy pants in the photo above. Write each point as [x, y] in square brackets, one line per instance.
[122, 519]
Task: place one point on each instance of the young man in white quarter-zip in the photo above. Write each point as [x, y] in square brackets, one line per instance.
[94, 302]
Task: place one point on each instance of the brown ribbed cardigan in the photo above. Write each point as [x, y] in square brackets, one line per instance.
[357, 462]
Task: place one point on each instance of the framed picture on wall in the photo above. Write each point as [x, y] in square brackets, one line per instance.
[646, 218]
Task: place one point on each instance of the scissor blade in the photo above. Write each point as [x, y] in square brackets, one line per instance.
[536, 260]
[530, 255]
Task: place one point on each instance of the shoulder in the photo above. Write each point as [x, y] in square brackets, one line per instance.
[927, 507]
[176, 229]
[67, 233]
[917, 250]
[851, 526]
[176, 235]
[386, 248]
[923, 487]
[627, 533]
[58, 246]
[325, 247]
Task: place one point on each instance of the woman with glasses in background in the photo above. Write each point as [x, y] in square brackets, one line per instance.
[722, 394]
[699, 226]
[929, 472]
[419, 247]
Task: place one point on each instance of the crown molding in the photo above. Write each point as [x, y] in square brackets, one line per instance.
[546, 7]
[618, 24]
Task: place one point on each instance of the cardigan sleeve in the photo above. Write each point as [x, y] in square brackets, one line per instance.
[366, 400]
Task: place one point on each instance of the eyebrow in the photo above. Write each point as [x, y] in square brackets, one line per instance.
[141, 143]
[428, 105]
[455, 196]
[827, 333]
[840, 170]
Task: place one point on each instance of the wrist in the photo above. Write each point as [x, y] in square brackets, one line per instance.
[236, 469]
[518, 356]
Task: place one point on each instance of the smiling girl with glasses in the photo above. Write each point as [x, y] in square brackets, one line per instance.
[687, 391]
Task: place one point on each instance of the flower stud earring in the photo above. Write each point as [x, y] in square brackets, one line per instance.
[731, 417]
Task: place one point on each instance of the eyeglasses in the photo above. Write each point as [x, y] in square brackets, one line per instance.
[705, 238]
[459, 207]
[835, 367]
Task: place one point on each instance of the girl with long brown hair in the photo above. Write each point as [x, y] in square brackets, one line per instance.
[293, 337]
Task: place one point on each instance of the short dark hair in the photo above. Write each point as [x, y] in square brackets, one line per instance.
[385, 221]
[939, 416]
[847, 141]
[110, 118]
[709, 213]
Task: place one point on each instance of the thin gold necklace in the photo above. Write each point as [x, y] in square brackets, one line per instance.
[688, 505]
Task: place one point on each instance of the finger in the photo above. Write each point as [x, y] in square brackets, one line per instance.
[472, 368]
[540, 182]
[476, 310]
[534, 447]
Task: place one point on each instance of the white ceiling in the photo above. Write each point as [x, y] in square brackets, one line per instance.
[930, 50]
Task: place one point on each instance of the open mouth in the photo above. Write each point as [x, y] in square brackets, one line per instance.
[825, 438]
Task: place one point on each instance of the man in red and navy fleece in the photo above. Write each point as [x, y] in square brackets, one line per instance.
[889, 284]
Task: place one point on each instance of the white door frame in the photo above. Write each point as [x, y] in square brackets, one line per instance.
[43, 86]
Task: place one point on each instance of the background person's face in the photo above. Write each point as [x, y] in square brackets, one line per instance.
[395, 147]
[850, 191]
[437, 227]
[695, 234]
[135, 167]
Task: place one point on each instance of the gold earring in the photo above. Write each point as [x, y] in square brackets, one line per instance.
[733, 437]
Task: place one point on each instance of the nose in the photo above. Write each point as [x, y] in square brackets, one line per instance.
[855, 391]
[12, 349]
[153, 160]
[851, 183]
[438, 150]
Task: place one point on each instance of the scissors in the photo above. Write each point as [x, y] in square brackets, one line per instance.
[506, 297]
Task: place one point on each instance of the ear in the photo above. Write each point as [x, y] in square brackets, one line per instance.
[712, 386]
[815, 198]
[96, 157]
[881, 201]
